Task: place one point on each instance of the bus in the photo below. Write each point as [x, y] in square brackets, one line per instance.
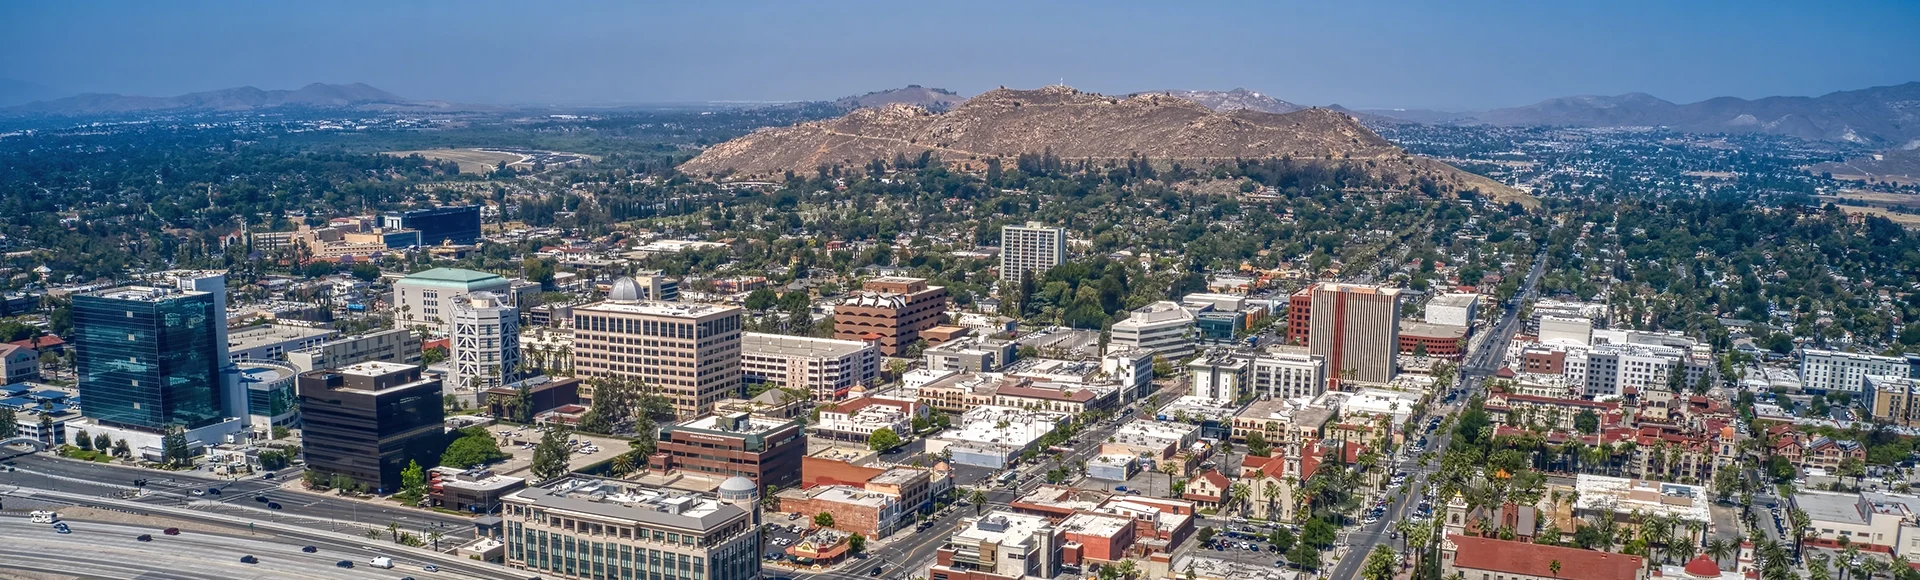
[1007, 478]
[43, 517]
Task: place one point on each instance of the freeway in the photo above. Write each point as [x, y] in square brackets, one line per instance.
[1479, 364]
[106, 550]
[280, 537]
[40, 471]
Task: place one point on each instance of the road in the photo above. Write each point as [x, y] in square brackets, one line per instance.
[1479, 364]
[39, 471]
[105, 550]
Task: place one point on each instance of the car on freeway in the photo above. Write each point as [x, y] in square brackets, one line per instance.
[213, 491]
[261, 499]
[198, 492]
[145, 537]
[430, 568]
[171, 531]
[309, 549]
[273, 505]
[344, 564]
[249, 559]
[62, 528]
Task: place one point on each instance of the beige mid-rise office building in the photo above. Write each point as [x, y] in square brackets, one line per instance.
[604, 529]
[1356, 329]
[689, 353]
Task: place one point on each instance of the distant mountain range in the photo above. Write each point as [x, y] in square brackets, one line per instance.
[1880, 116]
[313, 96]
[1075, 125]
[14, 92]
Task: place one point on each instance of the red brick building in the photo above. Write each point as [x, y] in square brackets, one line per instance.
[766, 451]
[1299, 315]
[891, 313]
[1437, 340]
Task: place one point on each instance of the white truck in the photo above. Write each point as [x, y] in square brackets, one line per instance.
[381, 562]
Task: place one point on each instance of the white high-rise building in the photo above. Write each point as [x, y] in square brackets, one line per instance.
[424, 300]
[486, 342]
[1165, 328]
[1032, 248]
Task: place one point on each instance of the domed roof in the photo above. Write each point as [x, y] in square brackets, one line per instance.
[1703, 567]
[625, 290]
[738, 486]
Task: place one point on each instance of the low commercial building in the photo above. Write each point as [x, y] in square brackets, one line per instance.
[1625, 500]
[19, 364]
[1453, 309]
[1894, 400]
[270, 395]
[991, 436]
[398, 345]
[875, 515]
[592, 528]
[857, 419]
[1876, 522]
[1093, 538]
[544, 394]
[272, 342]
[765, 451]
[1435, 340]
[477, 491]
[971, 354]
[826, 369]
[368, 421]
[1000, 545]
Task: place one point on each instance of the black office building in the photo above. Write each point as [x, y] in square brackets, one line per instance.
[368, 420]
[459, 224]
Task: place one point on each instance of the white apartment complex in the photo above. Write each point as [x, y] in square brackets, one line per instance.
[1847, 372]
[825, 368]
[1286, 372]
[1032, 248]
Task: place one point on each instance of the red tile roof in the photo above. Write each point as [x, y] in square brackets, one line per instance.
[1530, 559]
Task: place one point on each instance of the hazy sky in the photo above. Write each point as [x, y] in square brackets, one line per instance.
[1451, 55]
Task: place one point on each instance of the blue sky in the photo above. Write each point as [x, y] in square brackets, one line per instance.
[1448, 55]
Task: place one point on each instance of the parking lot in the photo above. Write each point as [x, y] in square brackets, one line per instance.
[520, 442]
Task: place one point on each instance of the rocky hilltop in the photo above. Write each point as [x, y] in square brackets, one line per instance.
[1075, 125]
[316, 95]
[931, 99]
[1235, 100]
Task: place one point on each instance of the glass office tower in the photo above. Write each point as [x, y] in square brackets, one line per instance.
[458, 224]
[149, 358]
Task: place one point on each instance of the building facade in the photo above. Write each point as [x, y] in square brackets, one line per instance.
[1356, 329]
[486, 342]
[1845, 372]
[891, 312]
[1288, 372]
[425, 300]
[396, 345]
[368, 421]
[1000, 545]
[19, 364]
[822, 367]
[150, 358]
[456, 224]
[1165, 328]
[734, 445]
[600, 529]
[1030, 249]
[690, 353]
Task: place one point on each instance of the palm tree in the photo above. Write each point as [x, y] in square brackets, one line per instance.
[394, 528]
[1718, 549]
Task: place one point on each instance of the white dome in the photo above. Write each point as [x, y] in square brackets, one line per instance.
[737, 487]
[625, 289]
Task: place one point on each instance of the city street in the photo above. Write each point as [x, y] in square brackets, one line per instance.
[1480, 364]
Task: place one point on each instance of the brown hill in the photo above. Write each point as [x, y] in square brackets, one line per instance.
[1076, 125]
[930, 98]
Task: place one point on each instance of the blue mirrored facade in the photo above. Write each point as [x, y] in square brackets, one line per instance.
[149, 358]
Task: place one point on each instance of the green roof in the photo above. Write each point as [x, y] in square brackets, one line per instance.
[452, 275]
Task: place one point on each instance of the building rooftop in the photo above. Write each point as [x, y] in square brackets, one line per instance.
[639, 503]
[145, 293]
[1417, 328]
[374, 369]
[475, 479]
[1454, 300]
[1206, 568]
[1536, 560]
[1098, 525]
[1826, 506]
[1064, 498]
[655, 308]
[1002, 527]
[254, 336]
[734, 423]
[452, 276]
[1622, 495]
[848, 494]
[798, 346]
[899, 476]
[1002, 425]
